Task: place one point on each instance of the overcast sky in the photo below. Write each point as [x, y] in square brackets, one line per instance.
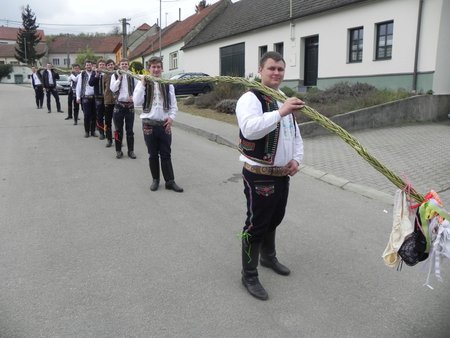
[90, 16]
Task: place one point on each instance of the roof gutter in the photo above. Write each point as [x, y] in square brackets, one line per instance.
[416, 56]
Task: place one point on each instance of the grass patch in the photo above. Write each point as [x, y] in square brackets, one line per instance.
[338, 99]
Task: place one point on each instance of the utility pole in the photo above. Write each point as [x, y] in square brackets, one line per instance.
[25, 49]
[124, 37]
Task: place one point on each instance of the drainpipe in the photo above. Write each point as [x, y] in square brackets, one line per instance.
[416, 56]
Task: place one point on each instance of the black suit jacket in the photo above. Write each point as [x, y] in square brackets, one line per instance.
[45, 78]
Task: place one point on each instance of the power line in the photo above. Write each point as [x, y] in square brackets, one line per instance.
[62, 24]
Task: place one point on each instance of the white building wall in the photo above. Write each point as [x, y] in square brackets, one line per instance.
[441, 82]
[332, 29]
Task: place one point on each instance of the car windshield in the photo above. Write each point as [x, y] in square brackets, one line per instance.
[63, 78]
[175, 77]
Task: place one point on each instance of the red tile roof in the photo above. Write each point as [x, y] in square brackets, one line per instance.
[173, 33]
[10, 33]
[9, 50]
[143, 27]
[74, 44]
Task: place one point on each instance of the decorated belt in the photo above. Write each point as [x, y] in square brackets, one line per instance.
[270, 171]
[88, 97]
[153, 122]
[125, 104]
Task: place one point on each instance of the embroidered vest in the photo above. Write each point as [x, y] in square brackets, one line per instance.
[84, 80]
[263, 150]
[150, 95]
[130, 82]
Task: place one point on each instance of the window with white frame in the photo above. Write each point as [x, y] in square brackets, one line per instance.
[55, 62]
[173, 60]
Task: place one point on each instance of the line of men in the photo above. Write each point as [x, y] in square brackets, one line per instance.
[107, 97]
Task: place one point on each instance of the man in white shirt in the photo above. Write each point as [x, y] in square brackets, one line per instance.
[71, 96]
[271, 149]
[159, 106]
[122, 85]
[85, 97]
[36, 80]
[49, 78]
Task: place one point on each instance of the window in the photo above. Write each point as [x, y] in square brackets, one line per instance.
[262, 51]
[2, 62]
[66, 61]
[232, 60]
[14, 62]
[279, 47]
[356, 44]
[385, 32]
[55, 62]
[173, 60]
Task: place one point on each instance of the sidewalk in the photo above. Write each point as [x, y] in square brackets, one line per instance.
[415, 152]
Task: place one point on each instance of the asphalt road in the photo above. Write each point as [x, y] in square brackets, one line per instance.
[87, 250]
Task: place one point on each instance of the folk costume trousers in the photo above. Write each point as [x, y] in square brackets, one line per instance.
[100, 111]
[72, 105]
[267, 198]
[123, 114]
[159, 142]
[108, 121]
[89, 114]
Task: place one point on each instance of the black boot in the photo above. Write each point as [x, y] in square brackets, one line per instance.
[269, 255]
[118, 141]
[130, 145]
[250, 254]
[167, 170]
[154, 169]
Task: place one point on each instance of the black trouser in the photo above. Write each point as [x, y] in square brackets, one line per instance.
[89, 114]
[100, 111]
[123, 113]
[52, 91]
[72, 102]
[39, 95]
[108, 121]
[266, 203]
[158, 141]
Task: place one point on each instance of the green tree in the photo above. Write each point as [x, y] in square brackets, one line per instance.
[5, 70]
[87, 54]
[28, 39]
[136, 67]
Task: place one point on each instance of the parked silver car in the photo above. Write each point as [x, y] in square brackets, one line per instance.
[63, 84]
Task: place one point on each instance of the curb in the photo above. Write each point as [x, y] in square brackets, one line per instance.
[307, 170]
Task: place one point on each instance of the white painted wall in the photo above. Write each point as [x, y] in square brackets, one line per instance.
[332, 29]
[441, 82]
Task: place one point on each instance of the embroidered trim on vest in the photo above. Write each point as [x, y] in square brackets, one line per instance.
[149, 96]
[264, 149]
[84, 79]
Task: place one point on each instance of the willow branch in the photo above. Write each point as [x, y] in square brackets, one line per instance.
[322, 120]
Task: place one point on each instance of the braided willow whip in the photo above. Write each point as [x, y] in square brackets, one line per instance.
[308, 111]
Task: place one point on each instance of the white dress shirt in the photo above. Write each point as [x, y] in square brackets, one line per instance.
[88, 90]
[157, 110]
[255, 124]
[37, 81]
[123, 90]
